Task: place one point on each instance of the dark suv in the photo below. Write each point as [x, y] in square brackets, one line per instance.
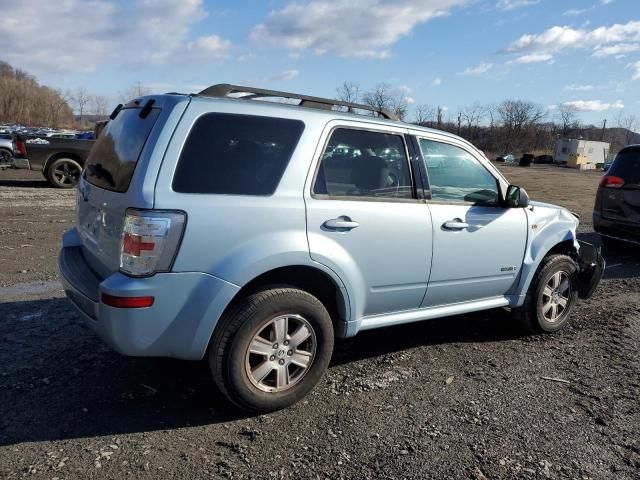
[616, 214]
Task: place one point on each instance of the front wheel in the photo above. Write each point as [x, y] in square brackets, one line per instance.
[551, 297]
[64, 173]
[271, 349]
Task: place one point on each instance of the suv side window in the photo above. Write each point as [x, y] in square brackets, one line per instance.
[456, 176]
[236, 154]
[364, 164]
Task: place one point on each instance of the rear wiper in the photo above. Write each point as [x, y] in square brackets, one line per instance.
[147, 108]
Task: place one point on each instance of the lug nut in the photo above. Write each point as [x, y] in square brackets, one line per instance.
[290, 352]
[275, 345]
[286, 342]
[272, 358]
[281, 362]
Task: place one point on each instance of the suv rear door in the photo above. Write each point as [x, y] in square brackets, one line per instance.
[364, 219]
[622, 200]
[114, 177]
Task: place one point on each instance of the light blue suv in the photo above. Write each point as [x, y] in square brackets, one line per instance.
[224, 226]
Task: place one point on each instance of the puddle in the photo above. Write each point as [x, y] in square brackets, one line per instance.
[29, 288]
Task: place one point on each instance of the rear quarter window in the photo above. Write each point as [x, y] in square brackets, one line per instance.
[236, 154]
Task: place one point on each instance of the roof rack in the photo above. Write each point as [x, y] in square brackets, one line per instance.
[223, 90]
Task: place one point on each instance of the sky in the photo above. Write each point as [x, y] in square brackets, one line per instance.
[453, 53]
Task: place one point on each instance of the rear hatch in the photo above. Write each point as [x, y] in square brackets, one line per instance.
[106, 189]
[620, 188]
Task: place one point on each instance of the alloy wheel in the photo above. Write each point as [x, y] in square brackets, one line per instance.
[555, 296]
[280, 353]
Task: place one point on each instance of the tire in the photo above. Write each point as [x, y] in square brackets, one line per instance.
[536, 315]
[6, 157]
[255, 380]
[63, 172]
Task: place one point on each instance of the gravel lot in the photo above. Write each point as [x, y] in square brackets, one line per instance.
[462, 397]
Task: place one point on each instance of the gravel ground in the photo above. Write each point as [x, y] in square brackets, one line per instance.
[462, 397]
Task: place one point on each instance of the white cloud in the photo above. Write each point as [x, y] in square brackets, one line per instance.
[636, 67]
[606, 2]
[436, 82]
[284, 76]
[574, 87]
[594, 105]
[478, 70]
[574, 12]
[616, 50]
[49, 36]
[409, 100]
[513, 4]
[533, 58]
[564, 37]
[367, 28]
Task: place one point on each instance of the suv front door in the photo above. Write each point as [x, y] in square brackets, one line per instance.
[364, 220]
[478, 245]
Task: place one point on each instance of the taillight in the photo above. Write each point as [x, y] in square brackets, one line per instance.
[611, 181]
[21, 148]
[127, 302]
[150, 241]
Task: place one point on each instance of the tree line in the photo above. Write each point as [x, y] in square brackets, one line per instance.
[511, 126]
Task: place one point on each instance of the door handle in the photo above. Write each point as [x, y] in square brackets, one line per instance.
[341, 224]
[455, 224]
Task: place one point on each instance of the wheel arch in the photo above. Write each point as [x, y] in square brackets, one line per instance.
[52, 158]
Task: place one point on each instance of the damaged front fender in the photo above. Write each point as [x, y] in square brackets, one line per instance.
[591, 268]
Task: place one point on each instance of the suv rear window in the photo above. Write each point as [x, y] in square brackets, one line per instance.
[236, 154]
[627, 166]
[115, 154]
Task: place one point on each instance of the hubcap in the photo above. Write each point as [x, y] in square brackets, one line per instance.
[280, 353]
[555, 296]
[66, 173]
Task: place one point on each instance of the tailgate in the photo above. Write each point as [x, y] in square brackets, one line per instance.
[621, 201]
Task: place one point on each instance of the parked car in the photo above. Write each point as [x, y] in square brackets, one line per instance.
[509, 158]
[251, 233]
[616, 214]
[60, 160]
[6, 151]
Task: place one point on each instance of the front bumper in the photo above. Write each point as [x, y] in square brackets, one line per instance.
[592, 265]
[179, 324]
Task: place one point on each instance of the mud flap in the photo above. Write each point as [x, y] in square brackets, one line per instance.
[591, 264]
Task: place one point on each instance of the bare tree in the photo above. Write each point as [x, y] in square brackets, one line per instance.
[423, 114]
[472, 117]
[134, 91]
[518, 116]
[80, 99]
[568, 118]
[629, 123]
[348, 92]
[99, 105]
[385, 97]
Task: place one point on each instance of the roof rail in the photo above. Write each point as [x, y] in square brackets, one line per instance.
[222, 90]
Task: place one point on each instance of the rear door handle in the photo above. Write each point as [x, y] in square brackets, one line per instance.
[341, 223]
[455, 224]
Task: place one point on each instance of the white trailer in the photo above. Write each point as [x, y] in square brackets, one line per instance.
[595, 152]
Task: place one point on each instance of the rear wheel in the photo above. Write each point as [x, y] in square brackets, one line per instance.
[551, 296]
[63, 172]
[6, 157]
[271, 349]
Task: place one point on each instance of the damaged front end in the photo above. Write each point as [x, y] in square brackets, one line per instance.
[591, 266]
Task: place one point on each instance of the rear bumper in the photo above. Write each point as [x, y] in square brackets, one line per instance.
[179, 324]
[592, 266]
[616, 228]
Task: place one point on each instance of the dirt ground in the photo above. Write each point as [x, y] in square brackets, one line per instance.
[461, 397]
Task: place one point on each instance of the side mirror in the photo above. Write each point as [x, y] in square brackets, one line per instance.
[517, 197]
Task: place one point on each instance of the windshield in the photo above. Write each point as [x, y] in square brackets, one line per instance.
[115, 154]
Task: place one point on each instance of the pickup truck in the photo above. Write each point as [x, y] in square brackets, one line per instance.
[59, 159]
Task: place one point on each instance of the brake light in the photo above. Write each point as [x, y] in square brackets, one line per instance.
[21, 147]
[127, 302]
[150, 241]
[611, 181]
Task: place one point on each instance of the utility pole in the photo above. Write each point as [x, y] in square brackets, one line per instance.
[604, 126]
